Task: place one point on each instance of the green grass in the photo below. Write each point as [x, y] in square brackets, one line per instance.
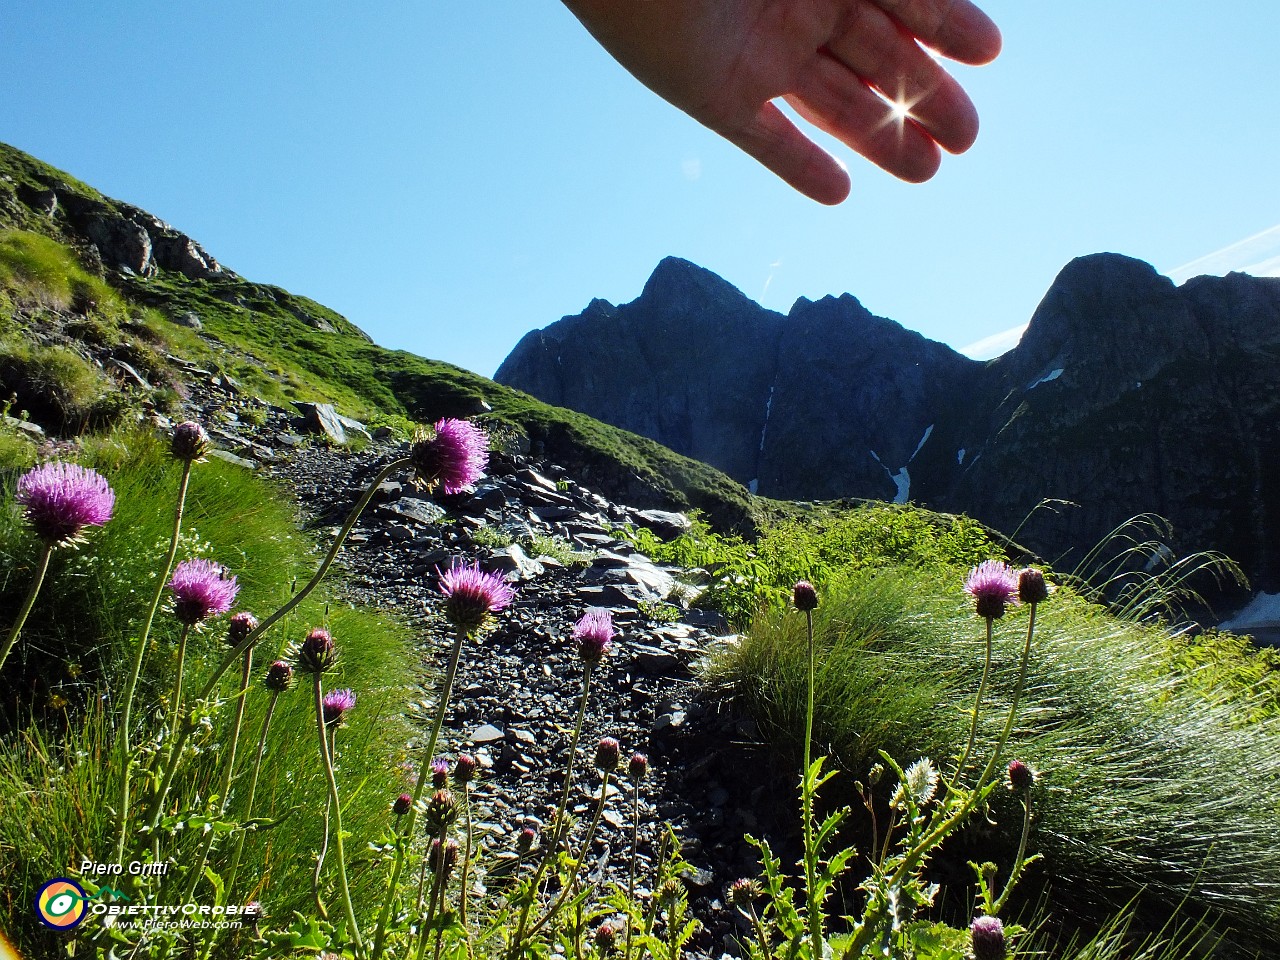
[57, 782]
[749, 576]
[1147, 783]
[36, 270]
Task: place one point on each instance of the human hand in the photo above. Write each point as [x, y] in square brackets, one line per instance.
[724, 61]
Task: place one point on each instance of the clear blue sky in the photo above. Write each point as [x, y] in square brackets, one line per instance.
[452, 175]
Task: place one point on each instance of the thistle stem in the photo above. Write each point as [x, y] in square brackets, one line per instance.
[153, 818]
[758, 927]
[446, 691]
[327, 762]
[175, 703]
[253, 789]
[814, 905]
[126, 714]
[558, 824]
[228, 767]
[437, 877]
[466, 865]
[977, 703]
[1017, 696]
[567, 890]
[42, 566]
[1019, 861]
[631, 868]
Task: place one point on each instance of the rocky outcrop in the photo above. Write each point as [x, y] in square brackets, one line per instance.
[1127, 395]
[1130, 395]
[132, 240]
[689, 363]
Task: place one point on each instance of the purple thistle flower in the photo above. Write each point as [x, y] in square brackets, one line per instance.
[638, 767]
[335, 704]
[987, 934]
[992, 585]
[464, 769]
[471, 595]
[439, 773]
[279, 676]
[594, 633]
[317, 654]
[241, 625]
[61, 499]
[453, 456]
[525, 839]
[189, 442]
[203, 589]
[804, 596]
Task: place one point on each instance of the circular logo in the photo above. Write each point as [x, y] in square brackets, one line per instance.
[61, 904]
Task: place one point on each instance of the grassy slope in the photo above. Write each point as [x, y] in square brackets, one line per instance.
[275, 342]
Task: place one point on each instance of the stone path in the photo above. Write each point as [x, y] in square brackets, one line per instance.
[518, 687]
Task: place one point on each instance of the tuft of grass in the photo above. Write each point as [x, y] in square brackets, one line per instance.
[41, 271]
[56, 385]
[1145, 783]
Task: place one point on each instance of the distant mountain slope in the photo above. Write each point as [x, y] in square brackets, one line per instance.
[287, 347]
[1126, 395]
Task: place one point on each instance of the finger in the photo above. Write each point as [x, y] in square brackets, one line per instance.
[955, 28]
[878, 50]
[834, 99]
[777, 143]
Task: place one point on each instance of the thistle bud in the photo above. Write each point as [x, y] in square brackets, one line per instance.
[442, 810]
[638, 768]
[804, 596]
[608, 753]
[189, 442]
[317, 654]
[606, 937]
[240, 626]
[993, 586]
[401, 804]
[594, 634]
[1021, 776]
[669, 892]
[464, 769]
[253, 913]
[450, 857]
[439, 773]
[743, 893]
[335, 705]
[525, 839]
[279, 676]
[1031, 586]
[987, 934]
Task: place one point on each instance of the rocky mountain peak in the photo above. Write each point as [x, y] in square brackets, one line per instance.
[1101, 306]
[677, 286]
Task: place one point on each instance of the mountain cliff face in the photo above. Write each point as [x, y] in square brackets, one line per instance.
[1126, 395]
